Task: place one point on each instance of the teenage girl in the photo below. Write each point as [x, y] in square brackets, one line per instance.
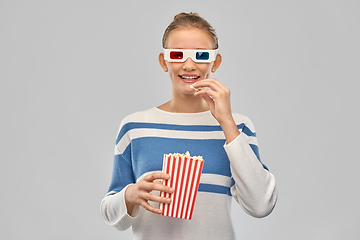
[198, 119]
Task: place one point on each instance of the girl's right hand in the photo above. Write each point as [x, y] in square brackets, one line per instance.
[139, 193]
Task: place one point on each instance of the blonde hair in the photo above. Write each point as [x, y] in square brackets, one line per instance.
[183, 20]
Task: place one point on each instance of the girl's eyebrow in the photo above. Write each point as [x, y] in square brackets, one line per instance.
[193, 48]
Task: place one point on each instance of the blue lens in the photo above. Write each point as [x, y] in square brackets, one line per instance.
[202, 55]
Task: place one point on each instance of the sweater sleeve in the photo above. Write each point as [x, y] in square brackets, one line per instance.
[254, 188]
[113, 207]
[113, 210]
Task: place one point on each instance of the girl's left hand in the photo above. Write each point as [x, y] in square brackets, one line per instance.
[217, 96]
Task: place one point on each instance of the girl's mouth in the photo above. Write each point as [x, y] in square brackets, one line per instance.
[189, 78]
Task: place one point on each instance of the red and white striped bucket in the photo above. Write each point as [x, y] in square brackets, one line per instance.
[185, 172]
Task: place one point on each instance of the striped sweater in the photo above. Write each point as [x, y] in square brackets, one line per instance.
[230, 170]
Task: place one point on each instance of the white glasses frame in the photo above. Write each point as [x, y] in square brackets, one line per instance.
[192, 54]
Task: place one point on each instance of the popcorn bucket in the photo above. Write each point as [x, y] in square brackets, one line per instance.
[185, 172]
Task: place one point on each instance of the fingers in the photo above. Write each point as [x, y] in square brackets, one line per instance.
[140, 192]
[148, 207]
[217, 96]
[154, 198]
[145, 195]
[153, 186]
[212, 83]
[211, 87]
[150, 183]
[156, 175]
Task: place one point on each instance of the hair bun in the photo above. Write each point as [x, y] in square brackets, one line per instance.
[183, 14]
[190, 20]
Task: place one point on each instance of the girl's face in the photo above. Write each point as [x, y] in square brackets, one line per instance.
[183, 74]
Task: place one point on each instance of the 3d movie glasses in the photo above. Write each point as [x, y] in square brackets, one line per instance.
[197, 55]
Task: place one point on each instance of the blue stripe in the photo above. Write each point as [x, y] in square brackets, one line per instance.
[255, 149]
[232, 182]
[173, 127]
[122, 174]
[203, 187]
[199, 128]
[246, 130]
[147, 153]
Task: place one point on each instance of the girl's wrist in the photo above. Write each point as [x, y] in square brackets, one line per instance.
[230, 130]
[129, 206]
[227, 120]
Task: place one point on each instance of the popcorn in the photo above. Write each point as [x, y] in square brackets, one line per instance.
[185, 172]
[196, 89]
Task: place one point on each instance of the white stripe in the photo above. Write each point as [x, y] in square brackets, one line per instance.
[111, 193]
[251, 140]
[116, 152]
[206, 178]
[148, 132]
[136, 133]
[215, 179]
[155, 115]
[142, 176]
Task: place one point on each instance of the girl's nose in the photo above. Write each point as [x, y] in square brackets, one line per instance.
[189, 64]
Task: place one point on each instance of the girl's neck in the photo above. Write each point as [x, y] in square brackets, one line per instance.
[185, 104]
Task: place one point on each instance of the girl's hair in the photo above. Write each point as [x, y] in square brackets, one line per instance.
[183, 20]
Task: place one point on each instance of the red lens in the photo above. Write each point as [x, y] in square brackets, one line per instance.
[176, 55]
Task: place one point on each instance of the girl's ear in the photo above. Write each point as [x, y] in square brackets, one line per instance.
[217, 63]
[162, 62]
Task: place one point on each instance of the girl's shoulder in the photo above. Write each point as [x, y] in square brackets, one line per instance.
[242, 119]
[139, 116]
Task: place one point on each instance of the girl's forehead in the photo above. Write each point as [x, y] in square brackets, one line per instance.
[189, 38]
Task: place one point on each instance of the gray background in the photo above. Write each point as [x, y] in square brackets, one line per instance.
[72, 70]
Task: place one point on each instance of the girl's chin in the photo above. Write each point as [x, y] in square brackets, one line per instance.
[189, 81]
[184, 86]
[186, 90]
